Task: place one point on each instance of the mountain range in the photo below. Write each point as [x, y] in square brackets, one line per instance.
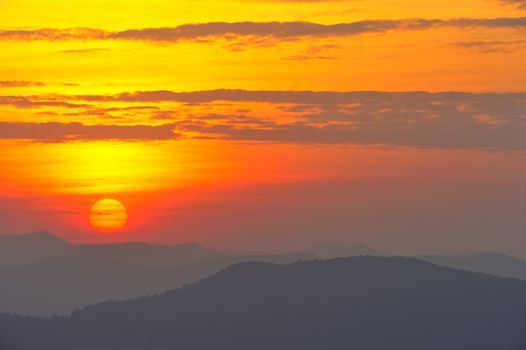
[367, 303]
[43, 275]
[61, 277]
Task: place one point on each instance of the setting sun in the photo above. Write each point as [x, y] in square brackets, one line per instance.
[108, 215]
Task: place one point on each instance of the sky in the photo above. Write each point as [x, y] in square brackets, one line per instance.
[269, 124]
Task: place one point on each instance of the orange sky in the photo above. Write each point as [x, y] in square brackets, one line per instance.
[199, 113]
[450, 57]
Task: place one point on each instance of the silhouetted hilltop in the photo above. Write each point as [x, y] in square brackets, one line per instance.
[41, 274]
[42, 236]
[341, 251]
[492, 263]
[32, 247]
[361, 303]
[59, 285]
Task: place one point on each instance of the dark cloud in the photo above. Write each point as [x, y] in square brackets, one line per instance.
[440, 135]
[111, 112]
[20, 83]
[309, 57]
[30, 102]
[413, 119]
[452, 120]
[53, 34]
[206, 96]
[277, 30]
[290, 30]
[494, 46]
[311, 98]
[90, 50]
[60, 132]
[518, 3]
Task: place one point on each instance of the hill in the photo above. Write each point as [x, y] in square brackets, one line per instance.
[59, 285]
[29, 248]
[492, 263]
[365, 303]
[330, 251]
[34, 247]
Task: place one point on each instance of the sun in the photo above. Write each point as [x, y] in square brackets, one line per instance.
[108, 215]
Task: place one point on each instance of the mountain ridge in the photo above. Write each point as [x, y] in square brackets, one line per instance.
[369, 303]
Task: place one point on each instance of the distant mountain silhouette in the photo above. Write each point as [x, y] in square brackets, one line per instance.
[33, 247]
[329, 251]
[61, 284]
[41, 274]
[366, 303]
[492, 263]
[29, 248]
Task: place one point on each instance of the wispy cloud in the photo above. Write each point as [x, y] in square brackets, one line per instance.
[20, 83]
[518, 3]
[89, 50]
[53, 34]
[451, 120]
[492, 46]
[31, 102]
[422, 120]
[60, 132]
[278, 30]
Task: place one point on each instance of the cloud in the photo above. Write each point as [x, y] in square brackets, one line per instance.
[233, 95]
[323, 98]
[29, 102]
[307, 57]
[412, 119]
[53, 34]
[518, 3]
[492, 46]
[447, 120]
[89, 50]
[60, 132]
[277, 30]
[291, 30]
[20, 83]
[438, 135]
